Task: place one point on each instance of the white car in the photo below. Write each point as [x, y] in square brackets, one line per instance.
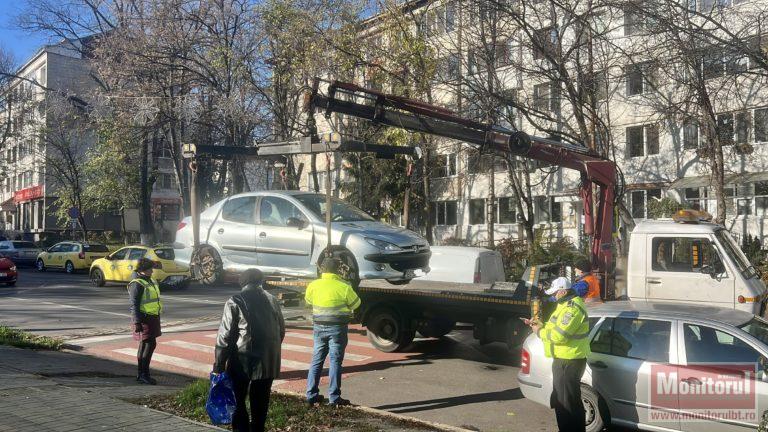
[20, 252]
[284, 233]
[655, 366]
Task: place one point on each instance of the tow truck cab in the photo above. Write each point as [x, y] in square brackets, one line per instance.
[693, 261]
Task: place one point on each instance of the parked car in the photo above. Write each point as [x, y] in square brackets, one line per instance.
[465, 264]
[71, 256]
[636, 344]
[21, 252]
[8, 274]
[284, 233]
[119, 266]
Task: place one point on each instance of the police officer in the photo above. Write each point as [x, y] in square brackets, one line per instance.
[144, 294]
[587, 285]
[565, 341]
[333, 302]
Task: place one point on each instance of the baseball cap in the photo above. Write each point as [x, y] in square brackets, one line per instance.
[557, 285]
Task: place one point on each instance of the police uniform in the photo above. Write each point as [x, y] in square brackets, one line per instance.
[565, 341]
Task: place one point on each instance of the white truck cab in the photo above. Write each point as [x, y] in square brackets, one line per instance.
[693, 262]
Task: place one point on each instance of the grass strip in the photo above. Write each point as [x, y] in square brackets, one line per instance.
[286, 413]
[21, 339]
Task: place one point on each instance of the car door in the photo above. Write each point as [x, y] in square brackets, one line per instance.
[116, 260]
[627, 353]
[285, 237]
[50, 254]
[235, 232]
[129, 266]
[674, 271]
[60, 255]
[713, 357]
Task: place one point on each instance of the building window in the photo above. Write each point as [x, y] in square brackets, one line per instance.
[642, 140]
[640, 200]
[696, 198]
[507, 209]
[448, 67]
[761, 198]
[169, 212]
[446, 165]
[545, 42]
[734, 127]
[761, 125]
[507, 111]
[743, 127]
[546, 97]
[481, 163]
[444, 212]
[547, 209]
[639, 79]
[477, 211]
[634, 23]
[690, 135]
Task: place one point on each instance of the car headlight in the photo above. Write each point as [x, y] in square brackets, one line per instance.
[13, 268]
[384, 246]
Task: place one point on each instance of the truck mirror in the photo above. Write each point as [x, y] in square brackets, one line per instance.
[709, 270]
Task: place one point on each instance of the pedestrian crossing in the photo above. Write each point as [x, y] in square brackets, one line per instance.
[192, 353]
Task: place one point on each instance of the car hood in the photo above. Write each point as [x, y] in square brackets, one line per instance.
[380, 231]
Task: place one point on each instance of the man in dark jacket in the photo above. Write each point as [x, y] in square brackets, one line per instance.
[248, 348]
[144, 295]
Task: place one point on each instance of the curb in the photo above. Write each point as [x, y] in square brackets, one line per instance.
[196, 423]
[382, 413]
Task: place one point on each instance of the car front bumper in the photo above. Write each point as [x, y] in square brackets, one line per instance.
[175, 281]
[396, 266]
[6, 277]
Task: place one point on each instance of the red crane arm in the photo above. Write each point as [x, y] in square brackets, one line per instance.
[417, 116]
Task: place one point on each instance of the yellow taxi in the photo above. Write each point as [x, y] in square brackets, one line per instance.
[70, 256]
[120, 265]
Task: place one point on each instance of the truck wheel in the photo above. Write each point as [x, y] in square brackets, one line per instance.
[436, 328]
[210, 267]
[596, 412]
[388, 331]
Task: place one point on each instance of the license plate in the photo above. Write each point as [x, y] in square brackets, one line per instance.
[30, 253]
[3, 274]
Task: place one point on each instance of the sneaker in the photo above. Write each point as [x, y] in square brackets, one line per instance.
[145, 379]
[315, 400]
[339, 402]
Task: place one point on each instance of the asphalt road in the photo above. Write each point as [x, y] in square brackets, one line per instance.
[452, 380]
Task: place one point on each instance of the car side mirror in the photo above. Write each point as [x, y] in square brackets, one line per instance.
[295, 222]
[708, 270]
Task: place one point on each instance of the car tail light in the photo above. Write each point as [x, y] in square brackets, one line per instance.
[81, 255]
[180, 225]
[476, 279]
[525, 362]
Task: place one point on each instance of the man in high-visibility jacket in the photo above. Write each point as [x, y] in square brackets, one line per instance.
[565, 341]
[587, 285]
[333, 303]
[144, 294]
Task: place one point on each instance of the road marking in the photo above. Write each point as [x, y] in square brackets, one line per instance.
[169, 297]
[306, 349]
[310, 337]
[180, 362]
[66, 306]
[290, 364]
[285, 362]
[190, 346]
[107, 338]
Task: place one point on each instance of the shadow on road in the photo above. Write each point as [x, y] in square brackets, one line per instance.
[433, 404]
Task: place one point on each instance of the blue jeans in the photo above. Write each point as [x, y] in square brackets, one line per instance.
[329, 339]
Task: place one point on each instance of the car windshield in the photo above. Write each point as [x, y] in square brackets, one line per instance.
[341, 211]
[758, 328]
[95, 248]
[165, 253]
[24, 245]
[735, 253]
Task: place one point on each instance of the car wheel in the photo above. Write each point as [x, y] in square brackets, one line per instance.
[210, 267]
[595, 410]
[40, 265]
[69, 267]
[97, 277]
[436, 328]
[349, 270]
[388, 331]
[399, 281]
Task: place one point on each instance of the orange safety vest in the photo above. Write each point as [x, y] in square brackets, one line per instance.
[593, 293]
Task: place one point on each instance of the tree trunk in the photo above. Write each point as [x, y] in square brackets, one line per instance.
[313, 164]
[425, 186]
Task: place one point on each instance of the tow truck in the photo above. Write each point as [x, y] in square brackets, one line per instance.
[698, 261]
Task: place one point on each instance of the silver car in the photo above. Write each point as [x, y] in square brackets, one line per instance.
[284, 233]
[20, 252]
[665, 367]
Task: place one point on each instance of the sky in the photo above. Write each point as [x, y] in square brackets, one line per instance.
[18, 42]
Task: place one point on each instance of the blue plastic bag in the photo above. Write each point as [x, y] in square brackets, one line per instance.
[221, 399]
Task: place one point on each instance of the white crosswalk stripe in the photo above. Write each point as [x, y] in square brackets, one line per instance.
[290, 364]
[306, 349]
[309, 336]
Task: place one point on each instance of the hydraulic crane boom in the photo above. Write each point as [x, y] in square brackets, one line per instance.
[417, 116]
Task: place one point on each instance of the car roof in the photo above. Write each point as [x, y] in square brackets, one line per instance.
[275, 192]
[670, 310]
[671, 227]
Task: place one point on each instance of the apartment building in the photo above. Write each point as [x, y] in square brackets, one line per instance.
[659, 154]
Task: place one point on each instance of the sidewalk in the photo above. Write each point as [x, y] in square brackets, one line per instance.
[62, 391]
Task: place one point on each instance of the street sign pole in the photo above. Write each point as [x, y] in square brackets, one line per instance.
[195, 218]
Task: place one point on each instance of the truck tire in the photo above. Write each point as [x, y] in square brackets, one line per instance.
[388, 331]
[436, 328]
[595, 410]
[211, 269]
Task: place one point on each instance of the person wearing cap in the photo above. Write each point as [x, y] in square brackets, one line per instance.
[248, 347]
[144, 294]
[564, 337]
[587, 285]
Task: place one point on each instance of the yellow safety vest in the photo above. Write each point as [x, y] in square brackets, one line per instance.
[332, 299]
[565, 334]
[150, 301]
